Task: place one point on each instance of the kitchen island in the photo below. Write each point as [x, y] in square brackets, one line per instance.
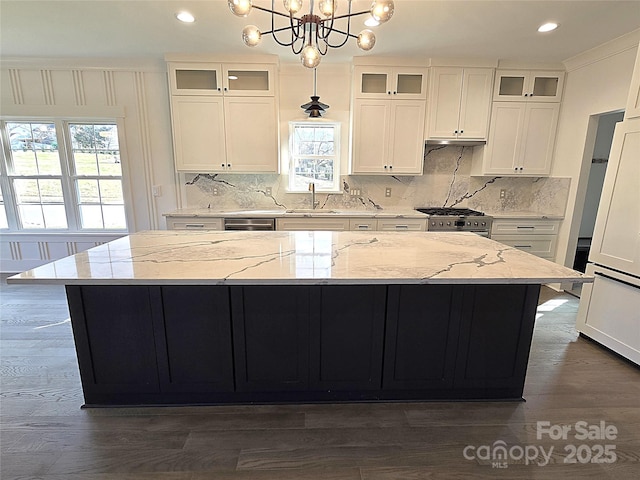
[169, 317]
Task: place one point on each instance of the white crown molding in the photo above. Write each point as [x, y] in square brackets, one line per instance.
[69, 63]
[516, 65]
[606, 50]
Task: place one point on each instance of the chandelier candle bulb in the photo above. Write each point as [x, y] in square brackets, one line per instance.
[310, 35]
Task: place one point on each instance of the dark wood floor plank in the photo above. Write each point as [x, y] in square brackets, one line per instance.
[45, 435]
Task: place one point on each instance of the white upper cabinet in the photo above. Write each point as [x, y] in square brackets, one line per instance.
[390, 82]
[388, 137]
[521, 140]
[224, 117]
[242, 79]
[460, 102]
[528, 85]
[616, 237]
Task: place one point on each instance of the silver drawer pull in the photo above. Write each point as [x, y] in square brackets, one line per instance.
[525, 227]
[363, 227]
[402, 226]
[194, 225]
[523, 246]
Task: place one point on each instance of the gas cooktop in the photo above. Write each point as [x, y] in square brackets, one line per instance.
[450, 212]
[456, 219]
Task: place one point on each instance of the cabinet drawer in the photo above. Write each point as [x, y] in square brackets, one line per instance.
[525, 227]
[540, 245]
[318, 223]
[363, 224]
[194, 223]
[402, 224]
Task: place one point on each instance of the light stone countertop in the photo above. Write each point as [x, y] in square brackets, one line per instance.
[162, 257]
[526, 215]
[294, 212]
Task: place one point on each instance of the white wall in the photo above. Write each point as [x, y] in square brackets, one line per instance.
[604, 138]
[133, 92]
[597, 82]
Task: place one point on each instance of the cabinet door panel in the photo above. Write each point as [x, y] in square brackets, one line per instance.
[421, 336]
[475, 103]
[195, 343]
[270, 338]
[503, 146]
[114, 334]
[251, 134]
[370, 136]
[541, 120]
[616, 238]
[495, 336]
[346, 337]
[444, 105]
[198, 133]
[406, 142]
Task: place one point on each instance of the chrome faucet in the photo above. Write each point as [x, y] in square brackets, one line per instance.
[312, 189]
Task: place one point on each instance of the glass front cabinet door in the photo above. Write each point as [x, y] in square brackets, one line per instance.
[528, 85]
[251, 80]
[391, 82]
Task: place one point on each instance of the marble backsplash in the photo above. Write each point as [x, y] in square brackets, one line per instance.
[446, 182]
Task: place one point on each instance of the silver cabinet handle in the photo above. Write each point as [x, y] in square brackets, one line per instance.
[194, 225]
[526, 227]
[523, 246]
[403, 227]
[363, 227]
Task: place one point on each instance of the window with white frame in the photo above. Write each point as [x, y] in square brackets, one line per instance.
[63, 176]
[314, 156]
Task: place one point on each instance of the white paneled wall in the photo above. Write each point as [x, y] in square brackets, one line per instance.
[133, 92]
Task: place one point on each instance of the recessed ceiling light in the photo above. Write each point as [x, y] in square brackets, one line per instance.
[547, 27]
[371, 22]
[185, 17]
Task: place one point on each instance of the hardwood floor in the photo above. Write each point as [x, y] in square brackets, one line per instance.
[46, 435]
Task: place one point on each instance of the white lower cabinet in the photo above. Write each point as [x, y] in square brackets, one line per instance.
[316, 223]
[352, 223]
[194, 223]
[402, 224]
[363, 224]
[535, 236]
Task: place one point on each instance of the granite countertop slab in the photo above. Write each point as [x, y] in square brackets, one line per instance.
[294, 212]
[162, 257]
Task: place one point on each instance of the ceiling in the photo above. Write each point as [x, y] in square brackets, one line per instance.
[503, 30]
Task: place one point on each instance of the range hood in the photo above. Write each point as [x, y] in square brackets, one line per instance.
[459, 143]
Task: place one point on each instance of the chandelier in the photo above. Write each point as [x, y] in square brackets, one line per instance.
[311, 35]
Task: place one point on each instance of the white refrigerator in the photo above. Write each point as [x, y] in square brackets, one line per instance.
[609, 311]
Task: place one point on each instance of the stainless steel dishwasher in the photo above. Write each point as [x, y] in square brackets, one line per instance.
[249, 223]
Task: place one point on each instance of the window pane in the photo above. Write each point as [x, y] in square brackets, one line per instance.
[51, 191]
[95, 149]
[54, 216]
[114, 217]
[88, 191]
[91, 216]
[26, 191]
[314, 157]
[34, 148]
[111, 191]
[31, 216]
